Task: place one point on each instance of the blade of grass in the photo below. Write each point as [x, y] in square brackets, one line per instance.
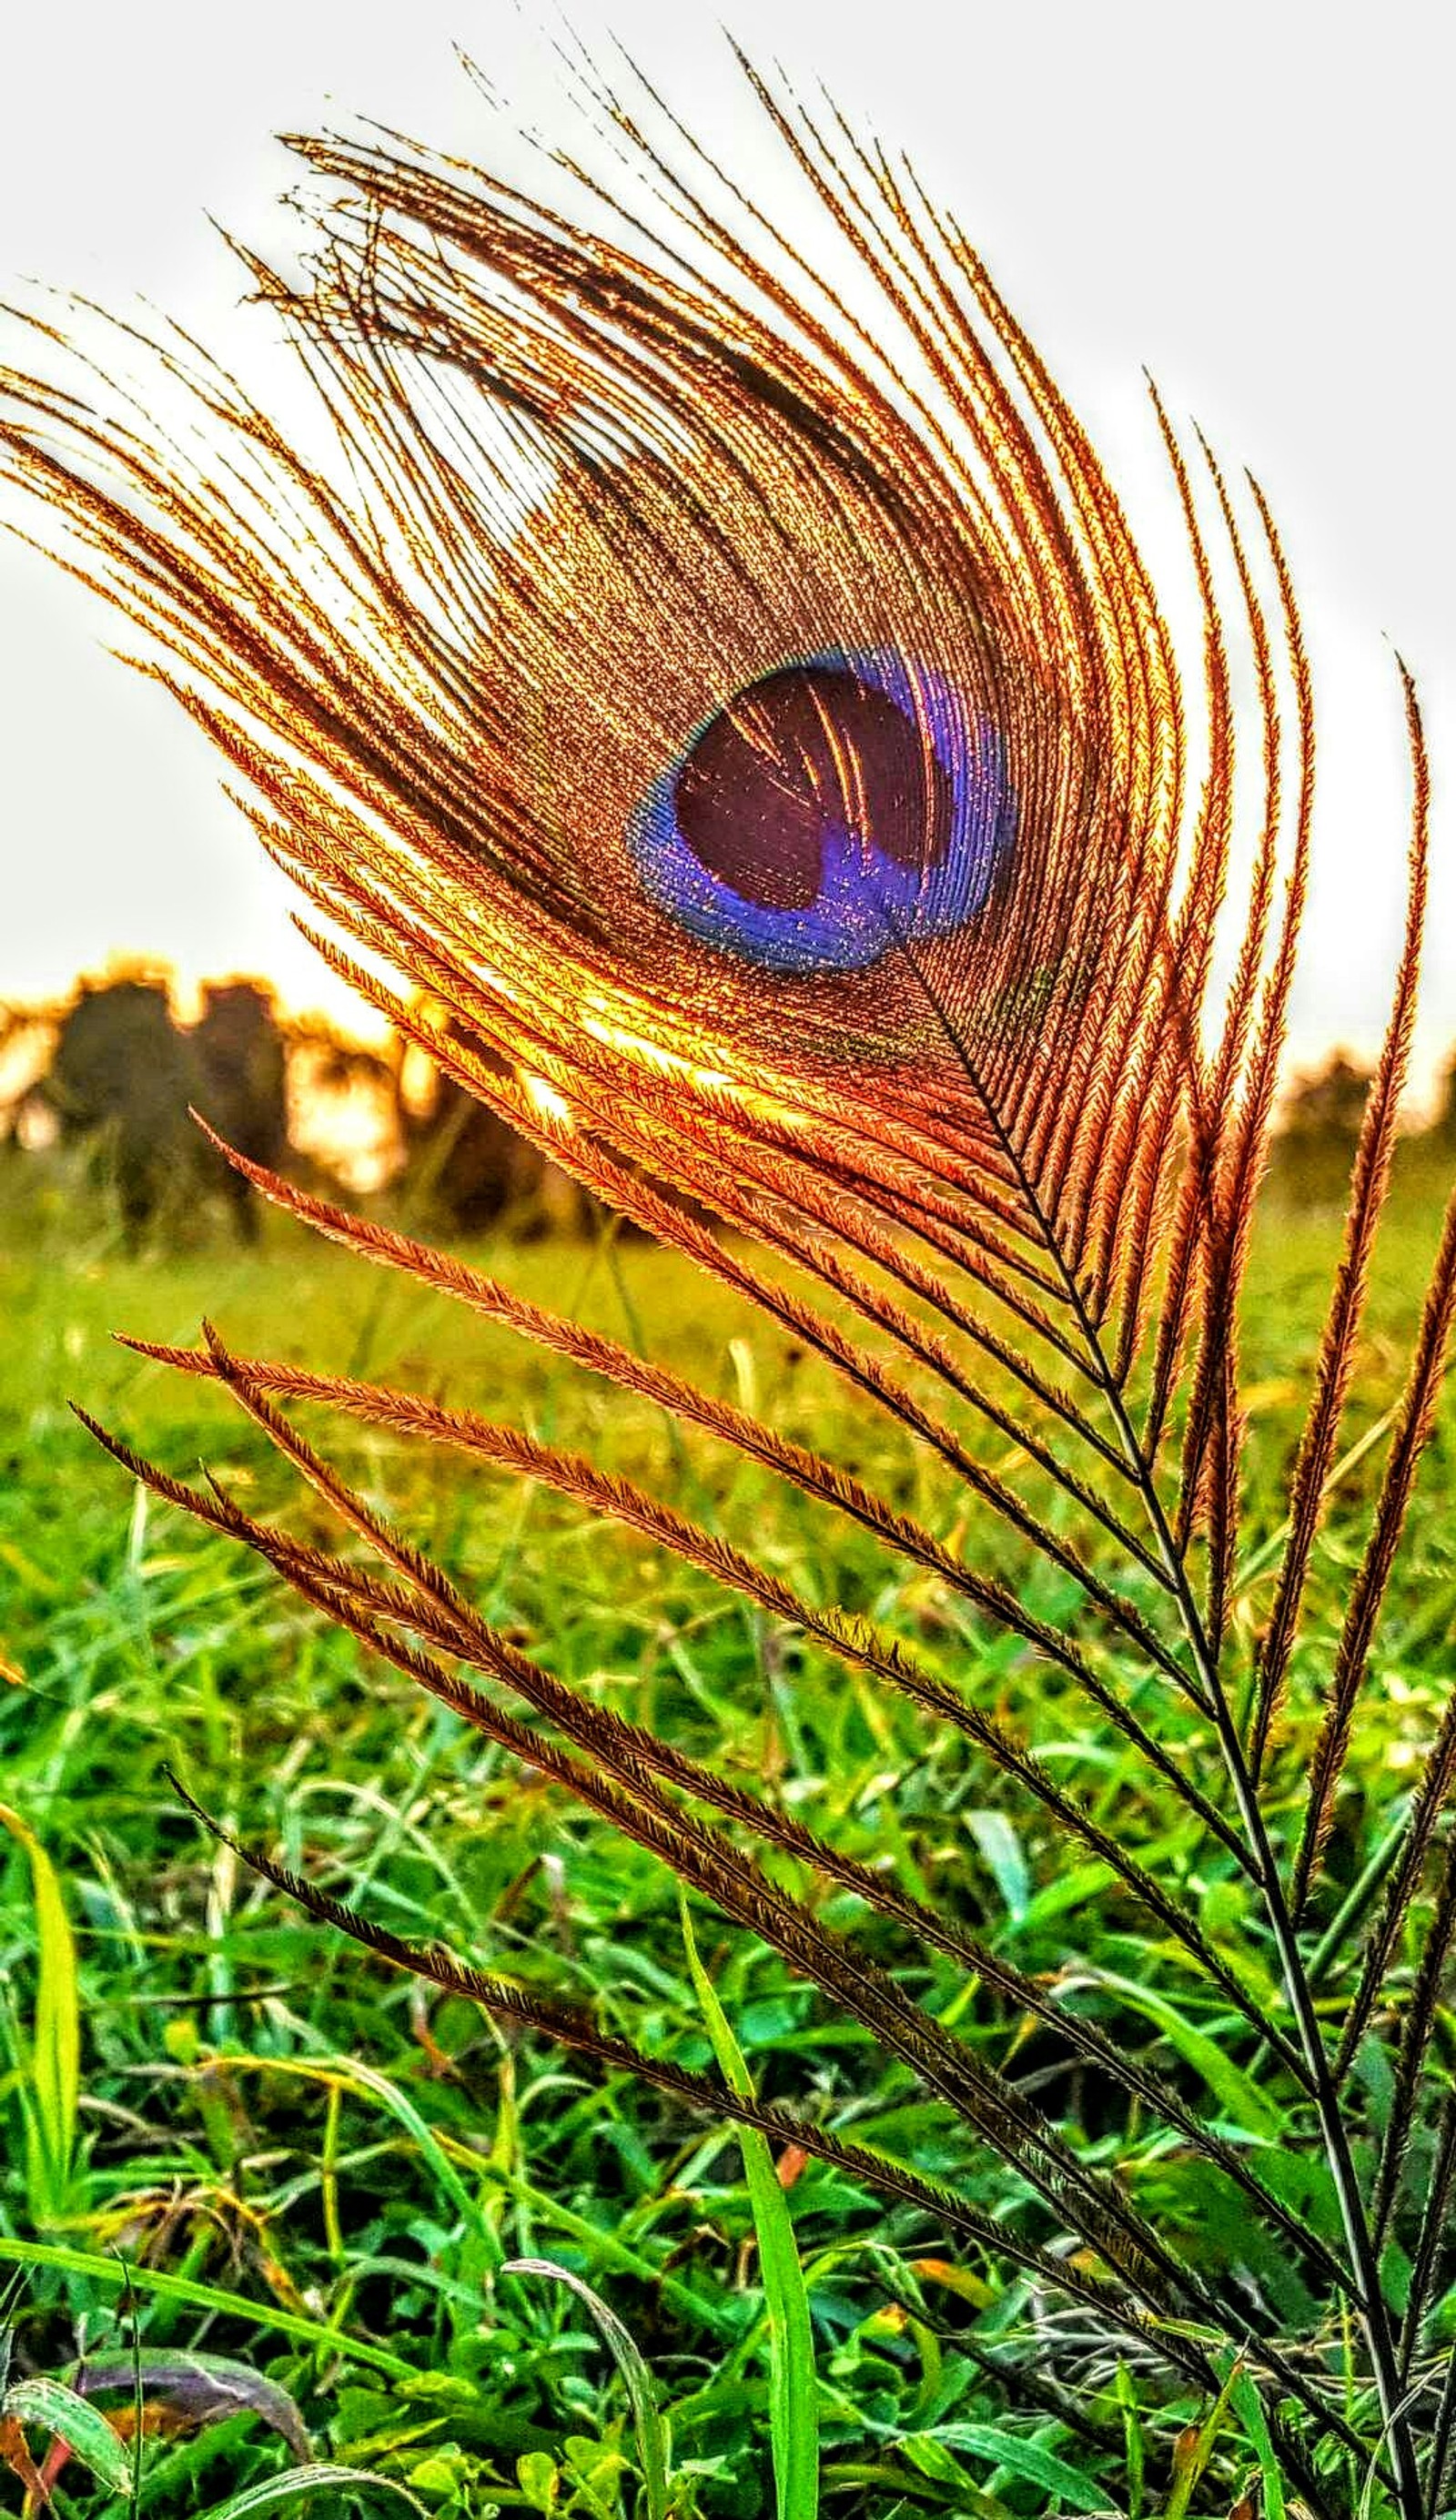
[114, 2274]
[337, 2073]
[83, 2429]
[204, 2388]
[1244, 2398]
[1196, 2448]
[301, 2481]
[1238, 2095]
[653, 2441]
[793, 2386]
[1021, 2456]
[1125, 2393]
[53, 2079]
[350, 2073]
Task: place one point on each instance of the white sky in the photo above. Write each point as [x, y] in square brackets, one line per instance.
[1257, 203]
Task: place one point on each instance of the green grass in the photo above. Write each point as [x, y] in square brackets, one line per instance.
[314, 2172]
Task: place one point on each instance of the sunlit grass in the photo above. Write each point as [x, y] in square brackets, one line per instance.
[314, 2172]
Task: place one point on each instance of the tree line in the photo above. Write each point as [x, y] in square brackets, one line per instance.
[105, 1084]
[101, 1090]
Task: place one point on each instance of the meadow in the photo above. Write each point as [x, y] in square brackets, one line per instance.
[277, 2187]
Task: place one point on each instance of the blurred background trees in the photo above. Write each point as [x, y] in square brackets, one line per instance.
[96, 1094]
[241, 1057]
[1319, 1130]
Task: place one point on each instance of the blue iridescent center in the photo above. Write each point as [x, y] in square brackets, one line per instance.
[832, 808]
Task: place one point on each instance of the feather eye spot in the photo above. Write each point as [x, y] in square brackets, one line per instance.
[829, 808]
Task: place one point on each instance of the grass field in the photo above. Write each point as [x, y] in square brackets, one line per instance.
[279, 2153]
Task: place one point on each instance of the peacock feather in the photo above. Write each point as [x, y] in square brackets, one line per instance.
[733, 706]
